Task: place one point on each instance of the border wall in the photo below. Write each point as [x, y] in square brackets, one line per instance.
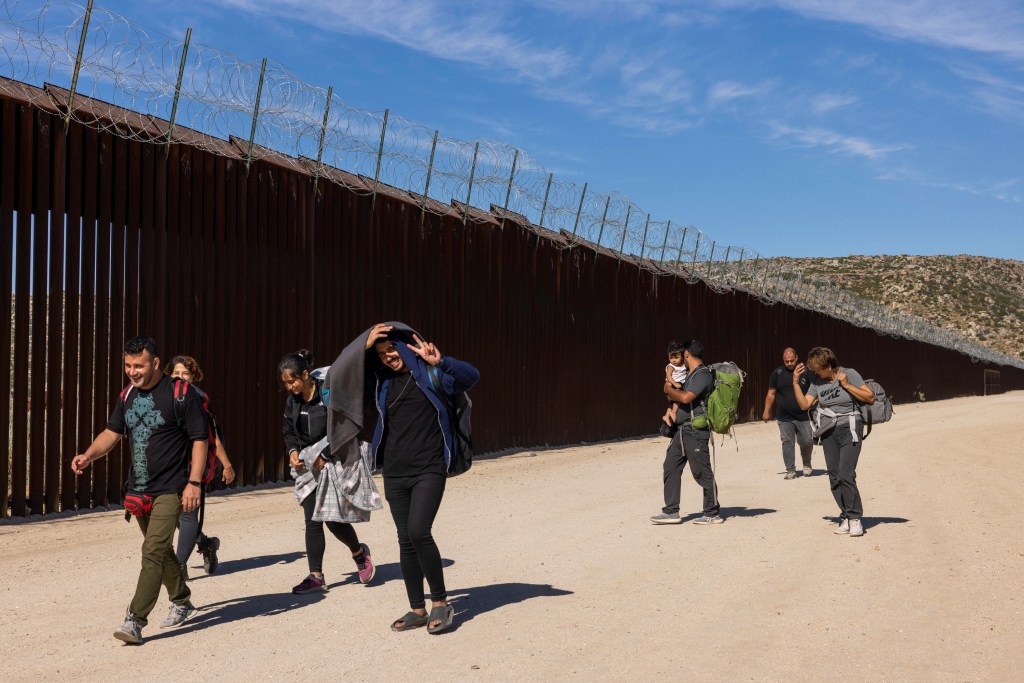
[104, 238]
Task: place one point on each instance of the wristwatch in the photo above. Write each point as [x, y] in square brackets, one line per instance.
[195, 483]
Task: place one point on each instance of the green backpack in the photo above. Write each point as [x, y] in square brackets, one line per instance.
[721, 406]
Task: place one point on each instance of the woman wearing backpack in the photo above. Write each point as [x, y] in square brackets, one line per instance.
[190, 534]
[413, 443]
[840, 426]
[305, 424]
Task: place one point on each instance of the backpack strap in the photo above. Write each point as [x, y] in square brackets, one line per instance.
[180, 391]
[125, 392]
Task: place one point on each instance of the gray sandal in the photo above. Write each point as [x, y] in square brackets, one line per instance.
[444, 614]
[410, 621]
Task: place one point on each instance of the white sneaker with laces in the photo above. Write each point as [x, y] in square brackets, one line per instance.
[856, 528]
[844, 527]
[178, 615]
[130, 631]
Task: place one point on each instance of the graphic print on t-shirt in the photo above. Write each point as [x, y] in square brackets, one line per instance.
[829, 395]
[142, 418]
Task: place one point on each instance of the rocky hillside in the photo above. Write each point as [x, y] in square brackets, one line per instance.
[979, 296]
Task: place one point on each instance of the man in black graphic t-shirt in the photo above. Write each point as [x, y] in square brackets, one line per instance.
[167, 462]
[794, 423]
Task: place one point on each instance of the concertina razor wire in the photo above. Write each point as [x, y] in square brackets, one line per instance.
[142, 85]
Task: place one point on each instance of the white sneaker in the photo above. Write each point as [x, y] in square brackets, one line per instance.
[178, 615]
[844, 527]
[808, 471]
[856, 528]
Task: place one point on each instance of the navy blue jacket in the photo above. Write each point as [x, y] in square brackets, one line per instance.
[453, 375]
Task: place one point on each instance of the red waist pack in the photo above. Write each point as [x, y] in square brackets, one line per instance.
[138, 504]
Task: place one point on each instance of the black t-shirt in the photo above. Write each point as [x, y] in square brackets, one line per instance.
[161, 449]
[305, 422]
[413, 443]
[701, 382]
[786, 408]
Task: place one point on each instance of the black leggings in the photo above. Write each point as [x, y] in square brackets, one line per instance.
[414, 502]
[315, 542]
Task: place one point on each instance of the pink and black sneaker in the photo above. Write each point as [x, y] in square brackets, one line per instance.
[366, 566]
[311, 584]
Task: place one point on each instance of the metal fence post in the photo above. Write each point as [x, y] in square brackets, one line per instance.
[323, 134]
[664, 244]
[643, 243]
[380, 155]
[604, 217]
[78, 66]
[177, 91]
[472, 173]
[711, 259]
[255, 114]
[551, 176]
[579, 210]
[508, 192]
[725, 262]
[430, 169]
[625, 229]
[696, 248]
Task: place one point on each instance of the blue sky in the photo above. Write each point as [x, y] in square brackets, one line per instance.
[792, 127]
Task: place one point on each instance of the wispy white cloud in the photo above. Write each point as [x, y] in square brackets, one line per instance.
[995, 95]
[989, 26]
[459, 31]
[847, 145]
[826, 102]
[724, 92]
[1009, 190]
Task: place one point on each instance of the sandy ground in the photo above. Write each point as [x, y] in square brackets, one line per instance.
[556, 573]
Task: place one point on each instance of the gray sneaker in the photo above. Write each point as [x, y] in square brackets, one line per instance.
[856, 528]
[808, 471]
[844, 527]
[178, 615]
[791, 474]
[717, 519]
[666, 518]
[130, 631]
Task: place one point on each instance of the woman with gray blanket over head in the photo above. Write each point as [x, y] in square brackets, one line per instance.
[323, 482]
[414, 442]
[389, 383]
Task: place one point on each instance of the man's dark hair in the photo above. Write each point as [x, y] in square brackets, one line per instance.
[695, 347]
[674, 347]
[137, 345]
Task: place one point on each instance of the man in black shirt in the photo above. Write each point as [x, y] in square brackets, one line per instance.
[794, 423]
[691, 441]
[169, 450]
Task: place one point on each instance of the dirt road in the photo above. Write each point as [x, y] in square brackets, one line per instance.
[555, 572]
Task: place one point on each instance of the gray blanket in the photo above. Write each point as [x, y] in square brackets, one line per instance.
[351, 410]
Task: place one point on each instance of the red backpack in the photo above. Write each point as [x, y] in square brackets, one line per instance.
[181, 389]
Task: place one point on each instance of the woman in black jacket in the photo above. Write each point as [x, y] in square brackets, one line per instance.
[305, 423]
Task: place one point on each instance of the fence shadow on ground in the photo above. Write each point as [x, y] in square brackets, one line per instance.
[245, 563]
[869, 522]
[734, 512]
[236, 609]
[392, 571]
[470, 603]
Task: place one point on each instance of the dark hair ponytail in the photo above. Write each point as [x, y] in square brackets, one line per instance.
[295, 363]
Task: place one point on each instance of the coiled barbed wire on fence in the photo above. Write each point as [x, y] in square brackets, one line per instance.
[142, 85]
